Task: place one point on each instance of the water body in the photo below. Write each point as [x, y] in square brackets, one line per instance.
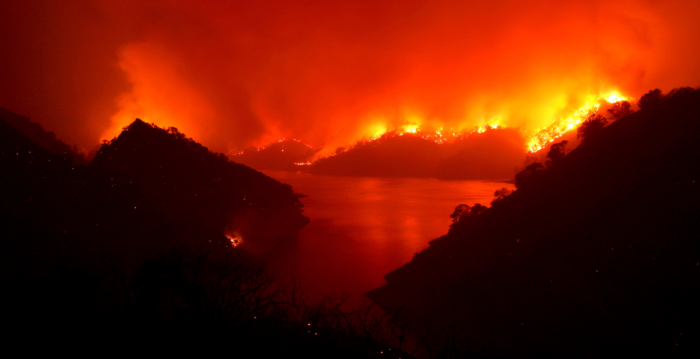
[363, 228]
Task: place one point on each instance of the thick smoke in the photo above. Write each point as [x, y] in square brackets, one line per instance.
[234, 74]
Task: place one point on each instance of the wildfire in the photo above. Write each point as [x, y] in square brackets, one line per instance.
[410, 128]
[417, 126]
[558, 128]
[437, 135]
[486, 126]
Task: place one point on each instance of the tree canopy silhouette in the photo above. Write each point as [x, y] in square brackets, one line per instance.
[678, 92]
[463, 211]
[590, 128]
[524, 176]
[556, 152]
[500, 195]
[620, 109]
[650, 99]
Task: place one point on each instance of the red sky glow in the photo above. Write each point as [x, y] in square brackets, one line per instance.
[236, 74]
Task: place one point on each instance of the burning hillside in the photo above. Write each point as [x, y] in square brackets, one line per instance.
[491, 154]
[487, 151]
[558, 128]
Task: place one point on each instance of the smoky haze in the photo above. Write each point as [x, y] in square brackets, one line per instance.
[236, 74]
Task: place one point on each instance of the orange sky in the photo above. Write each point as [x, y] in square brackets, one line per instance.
[232, 74]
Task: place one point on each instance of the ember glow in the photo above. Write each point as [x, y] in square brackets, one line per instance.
[235, 239]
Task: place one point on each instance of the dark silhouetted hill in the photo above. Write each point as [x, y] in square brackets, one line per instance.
[596, 256]
[493, 154]
[41, 137]
[148, 190]
[185, 182]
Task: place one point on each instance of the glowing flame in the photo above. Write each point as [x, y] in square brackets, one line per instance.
[410, 128]
[558, 128]
[437, 135]
[614, 98]
[487, 126]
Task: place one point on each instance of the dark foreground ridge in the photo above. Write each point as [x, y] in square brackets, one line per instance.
[596, 256]
[128, 255]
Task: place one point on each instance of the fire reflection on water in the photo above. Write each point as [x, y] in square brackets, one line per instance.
[363, 228]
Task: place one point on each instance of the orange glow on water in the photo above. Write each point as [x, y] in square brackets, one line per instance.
[362, 228]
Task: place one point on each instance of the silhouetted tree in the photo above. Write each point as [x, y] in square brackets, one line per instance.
[620, 110]
[556, 152]
[651, 99]
[524, 175]
[678, 92]
[591, 127]
[459, 210]
[500, 194]
[463, 211]
[477, 210]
